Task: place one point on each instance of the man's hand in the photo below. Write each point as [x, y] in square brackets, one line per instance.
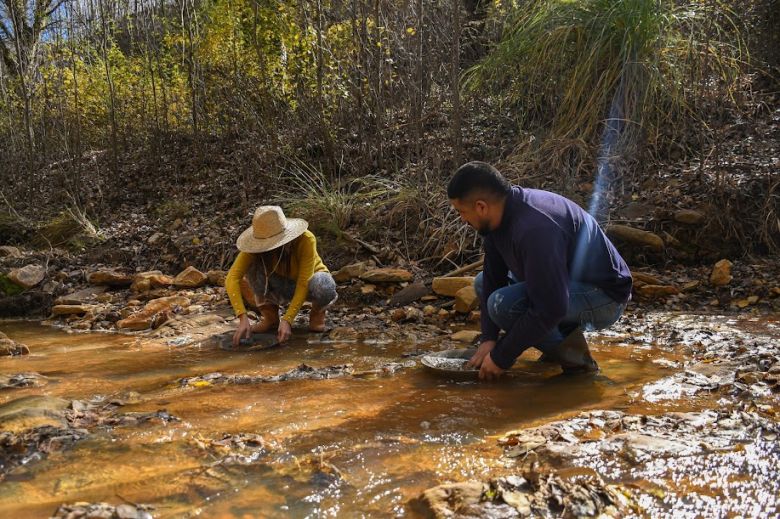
[244, 330]
[285, 331]
[489, 370]
[483, 351]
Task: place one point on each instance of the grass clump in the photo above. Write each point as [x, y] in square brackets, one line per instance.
[567, 65]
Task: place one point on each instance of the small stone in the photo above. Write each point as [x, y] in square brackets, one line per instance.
[71, 309]
[429, 310]
[466, 300]
[398, 315]
[443, 313]
[367, 289]
[352, 271]
[721, 273]
[7, 251]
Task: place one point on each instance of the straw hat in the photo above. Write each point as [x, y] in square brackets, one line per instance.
[270, 229]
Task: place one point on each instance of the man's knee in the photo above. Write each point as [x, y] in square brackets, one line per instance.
[478, 285]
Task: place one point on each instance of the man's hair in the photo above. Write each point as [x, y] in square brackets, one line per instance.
[478, 178]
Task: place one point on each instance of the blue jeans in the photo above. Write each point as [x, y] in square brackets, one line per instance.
[589, 308]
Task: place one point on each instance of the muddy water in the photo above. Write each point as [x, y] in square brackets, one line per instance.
[341, 447]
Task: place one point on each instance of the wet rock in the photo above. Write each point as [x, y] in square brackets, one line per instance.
[449, 286]
[190, 278]
[530, 495]
[466, 336]
[409, 294]
[721, 273]
[110, 278]
[104, 511]
[386, 275]
[466, 300]
[27, 276]
[216, 277]
[34, 444]
[636, 236]
[302, 372]
[145, 318]
[454, 499]
[234, 449]
[343, 333]
[10, 347]
[33, 411]
[689, 217]
[22, 380]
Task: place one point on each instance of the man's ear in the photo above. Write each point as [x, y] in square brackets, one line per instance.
[481, 207]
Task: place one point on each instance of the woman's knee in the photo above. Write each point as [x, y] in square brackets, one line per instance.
[322, 289]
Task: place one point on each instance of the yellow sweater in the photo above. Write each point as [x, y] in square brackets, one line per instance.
[304, 262]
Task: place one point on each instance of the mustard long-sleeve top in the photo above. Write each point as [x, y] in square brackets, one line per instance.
[304, 262]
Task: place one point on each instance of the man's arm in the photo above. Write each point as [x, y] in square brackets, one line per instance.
[547, 282]
[494, 276]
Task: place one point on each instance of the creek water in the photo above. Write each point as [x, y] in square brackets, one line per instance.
[342, 447]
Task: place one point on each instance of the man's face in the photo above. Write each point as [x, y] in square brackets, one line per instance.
[474, 213]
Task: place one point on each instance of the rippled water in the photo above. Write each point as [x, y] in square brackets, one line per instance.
[339, 447]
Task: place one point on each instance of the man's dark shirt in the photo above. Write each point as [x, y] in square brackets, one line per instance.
[545, 240]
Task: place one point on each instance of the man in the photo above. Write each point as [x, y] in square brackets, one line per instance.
[549, 272]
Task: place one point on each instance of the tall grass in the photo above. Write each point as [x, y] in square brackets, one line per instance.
[563, 63]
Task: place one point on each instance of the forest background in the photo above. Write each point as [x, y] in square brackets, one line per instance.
[143, 133]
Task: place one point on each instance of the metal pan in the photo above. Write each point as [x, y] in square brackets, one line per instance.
[451, 362]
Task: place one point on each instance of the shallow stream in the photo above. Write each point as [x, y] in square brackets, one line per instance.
[361, 444]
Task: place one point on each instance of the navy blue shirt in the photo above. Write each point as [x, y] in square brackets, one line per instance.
[545, 240]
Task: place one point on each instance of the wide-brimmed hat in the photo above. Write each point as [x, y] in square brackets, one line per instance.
[270, 229]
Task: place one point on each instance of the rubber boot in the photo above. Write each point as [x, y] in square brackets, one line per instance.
[269, 319]
[574, 356]
[317, 319]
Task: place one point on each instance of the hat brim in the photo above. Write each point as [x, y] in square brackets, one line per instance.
[248, 243]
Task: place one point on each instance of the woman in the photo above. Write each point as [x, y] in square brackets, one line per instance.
[278, 263]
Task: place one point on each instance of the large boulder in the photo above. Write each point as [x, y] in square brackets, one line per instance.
[59, 310]
[109, 278]
[190, 278]
[27, 276]
[10, 347]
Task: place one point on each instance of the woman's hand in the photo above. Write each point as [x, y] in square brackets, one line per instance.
[244, 330]
[285, 330]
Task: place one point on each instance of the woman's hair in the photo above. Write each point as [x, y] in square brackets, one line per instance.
[278, 257]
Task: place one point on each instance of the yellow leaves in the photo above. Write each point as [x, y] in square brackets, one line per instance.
[201, 383]
[411, 31]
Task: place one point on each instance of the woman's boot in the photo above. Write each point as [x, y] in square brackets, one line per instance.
[317, 319]
[269, 319]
